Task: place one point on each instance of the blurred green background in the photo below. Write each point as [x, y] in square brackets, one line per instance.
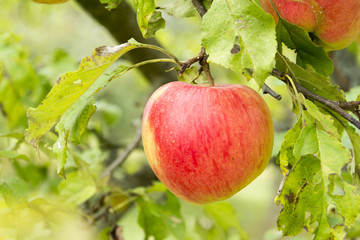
[38, 43]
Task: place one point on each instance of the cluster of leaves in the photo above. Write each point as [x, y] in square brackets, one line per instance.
[320, 191]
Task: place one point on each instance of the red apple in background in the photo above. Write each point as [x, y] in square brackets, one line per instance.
[335, 23]
[206, 143]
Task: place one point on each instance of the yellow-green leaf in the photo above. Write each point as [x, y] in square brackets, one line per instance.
[68, 89]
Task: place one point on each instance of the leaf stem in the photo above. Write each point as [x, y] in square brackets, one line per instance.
[158, 60]
[160, 49]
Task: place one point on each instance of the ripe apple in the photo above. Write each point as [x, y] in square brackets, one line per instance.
[334, 23]
[205, 143]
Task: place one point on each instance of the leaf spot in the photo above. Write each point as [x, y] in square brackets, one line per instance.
[77, 82]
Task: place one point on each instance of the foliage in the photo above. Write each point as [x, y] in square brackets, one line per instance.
[319, 157]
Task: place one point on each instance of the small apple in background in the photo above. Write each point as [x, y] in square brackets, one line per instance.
[205, 143]
[334, 23]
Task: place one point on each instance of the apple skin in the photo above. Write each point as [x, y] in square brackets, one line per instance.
[335, 23]
[207, 143]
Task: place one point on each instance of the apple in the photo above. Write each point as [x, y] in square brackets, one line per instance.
[205, 143]
[334, 23]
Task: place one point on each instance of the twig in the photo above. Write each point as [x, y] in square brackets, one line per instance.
[333, 105]
[191, 61]
[353, 106]
[199, 7]
[267, 90]
[206, 67]
[129, 148]
[349, 105]
[202, 59]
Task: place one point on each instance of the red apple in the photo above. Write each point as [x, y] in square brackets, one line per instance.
[206, 143]
[335, 23]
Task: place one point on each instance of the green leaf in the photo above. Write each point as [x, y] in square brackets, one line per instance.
[69, 88]
[237, 34]
[159, 214]
[323, 118]
[308, 53]
[149, 20]
[333, 155]
[316, 178]
[309, 79]
[220, 222]
[72, 125]
[75, 119]
[71, 102]
[179, 8]
[111, 4]
[286, 155]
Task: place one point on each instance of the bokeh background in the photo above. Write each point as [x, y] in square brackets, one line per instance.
[38, 43]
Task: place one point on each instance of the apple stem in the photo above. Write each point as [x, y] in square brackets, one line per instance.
[157, 60]
[160, 49]
[202, 59]
[206, 68]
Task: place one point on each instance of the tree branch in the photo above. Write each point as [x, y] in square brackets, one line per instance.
[191, 61]
[267, 90]
[336, 106]
[129, 148]
[199, 7]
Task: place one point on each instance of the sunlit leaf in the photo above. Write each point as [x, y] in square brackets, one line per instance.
[286, 155]
[72, 125]
[313, 179]
[69, 88]
[238, 34]
[325, 119]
